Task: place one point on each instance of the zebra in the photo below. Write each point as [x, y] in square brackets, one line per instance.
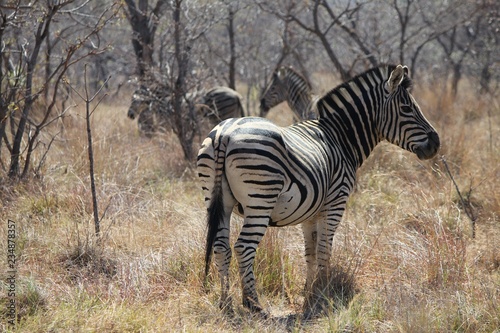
[288, 85]
[302, 174]
[150, 104]
[221, 103]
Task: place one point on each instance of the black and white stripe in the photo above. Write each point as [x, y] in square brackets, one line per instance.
[304, 173]
[288, 85]
[221, 103]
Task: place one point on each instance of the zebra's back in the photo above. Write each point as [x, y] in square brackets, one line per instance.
[222, 103]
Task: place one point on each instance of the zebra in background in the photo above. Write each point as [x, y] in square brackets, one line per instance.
[151, 103]
[288, 85]
[280, 176]
[221, 103]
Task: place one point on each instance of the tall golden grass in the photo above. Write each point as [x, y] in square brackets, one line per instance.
[404, 256]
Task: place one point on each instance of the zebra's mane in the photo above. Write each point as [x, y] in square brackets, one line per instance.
[293, 72]
[378, 74]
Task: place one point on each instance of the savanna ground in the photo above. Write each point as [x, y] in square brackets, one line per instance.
[403, 260]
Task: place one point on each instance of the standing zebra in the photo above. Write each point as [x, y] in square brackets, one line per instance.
[221, 103]
[304, 173]
[152, 105]
[288, 85]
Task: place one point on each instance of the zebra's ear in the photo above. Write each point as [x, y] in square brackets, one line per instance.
[407, 71]
[396, 77]
[281, 72]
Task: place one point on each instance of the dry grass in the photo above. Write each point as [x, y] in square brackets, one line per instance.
[403, 259]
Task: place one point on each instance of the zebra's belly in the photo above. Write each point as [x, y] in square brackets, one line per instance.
[294, 207]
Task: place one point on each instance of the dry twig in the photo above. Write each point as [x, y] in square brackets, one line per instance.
[465, 203]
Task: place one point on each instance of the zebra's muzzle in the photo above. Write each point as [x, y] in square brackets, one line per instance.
[131, 114]
[430, 148]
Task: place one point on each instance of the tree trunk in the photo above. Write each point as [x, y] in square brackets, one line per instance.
[484, 81]
[183, 112]
[457, 75]
[232, 52]
[144, 24]
[41, 34]
[324, 41]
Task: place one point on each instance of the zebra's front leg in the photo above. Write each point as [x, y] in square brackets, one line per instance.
[309, 229]
[326, 224]
[326, 231]
[311, 294]
[254, 227]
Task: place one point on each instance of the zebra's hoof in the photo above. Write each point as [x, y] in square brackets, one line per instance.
[226, 306]
[252, 305]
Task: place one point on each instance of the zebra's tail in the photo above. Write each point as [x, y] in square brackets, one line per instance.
[215, 215]
[212, 158]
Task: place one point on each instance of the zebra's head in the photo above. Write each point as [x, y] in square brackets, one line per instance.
[275, 92]
[402, 122]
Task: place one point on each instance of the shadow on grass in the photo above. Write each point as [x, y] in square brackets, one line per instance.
[332, 292]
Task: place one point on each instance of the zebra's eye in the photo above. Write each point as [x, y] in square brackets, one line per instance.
[406, 109]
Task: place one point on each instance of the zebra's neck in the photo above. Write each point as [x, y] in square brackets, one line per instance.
[301, 104]
[350, 114]
[299, 95]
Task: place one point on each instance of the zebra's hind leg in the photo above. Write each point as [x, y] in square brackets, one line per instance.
[222, 247]
[222, 256]
[254, 227]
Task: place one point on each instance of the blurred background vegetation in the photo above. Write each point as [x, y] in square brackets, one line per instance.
[191, 45]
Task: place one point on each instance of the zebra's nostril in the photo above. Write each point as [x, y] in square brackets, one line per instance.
[430, 148]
